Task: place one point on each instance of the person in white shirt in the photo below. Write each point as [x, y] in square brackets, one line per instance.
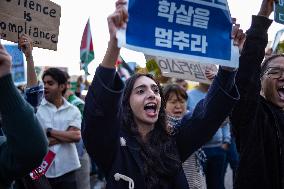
[62, 123]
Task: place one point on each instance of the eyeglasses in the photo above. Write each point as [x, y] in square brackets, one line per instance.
[274, 72]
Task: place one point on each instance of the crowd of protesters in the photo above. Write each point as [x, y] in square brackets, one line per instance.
[140, 134]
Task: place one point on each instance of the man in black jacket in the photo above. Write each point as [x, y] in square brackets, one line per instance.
[258, 118]
[25, 145]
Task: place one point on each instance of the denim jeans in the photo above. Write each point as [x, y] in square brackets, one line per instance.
[214, 167]
[232, 158]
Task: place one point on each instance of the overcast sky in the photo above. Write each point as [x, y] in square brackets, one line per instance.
[74, 15]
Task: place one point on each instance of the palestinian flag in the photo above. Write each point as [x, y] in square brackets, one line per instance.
[86, 50]
[123, 69]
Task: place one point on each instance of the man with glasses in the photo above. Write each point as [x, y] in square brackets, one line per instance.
[258, 118]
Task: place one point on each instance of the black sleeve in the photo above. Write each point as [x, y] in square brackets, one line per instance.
[208, 114]
[101, 120]
[26, 144]
[248, 76]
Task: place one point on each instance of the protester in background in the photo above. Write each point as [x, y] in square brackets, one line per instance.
[196, 94]
[80, 86]
[125, 127]
[33, 91]
[182, 83]
[83, 173]
[62, 123]
[26, 46]
[175, 99]
[257, 120]
[71, 97]
[201, 90]
[25, 145]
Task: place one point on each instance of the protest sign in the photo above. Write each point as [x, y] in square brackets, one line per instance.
[277, 39]
[279, 11]
[183, 69]
[40, 19]
[197, 30]
[18, 66]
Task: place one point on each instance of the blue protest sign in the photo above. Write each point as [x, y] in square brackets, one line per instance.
[279, 12]
[198, 30]
[18, 67]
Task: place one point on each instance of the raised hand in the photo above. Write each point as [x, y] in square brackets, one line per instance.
[118, 19]
[269, 52]
[238, 35]
[266, 8]
[210, 73]
[26, 45]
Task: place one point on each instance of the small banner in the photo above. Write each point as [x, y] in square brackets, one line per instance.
[42, 169]
[182, 69]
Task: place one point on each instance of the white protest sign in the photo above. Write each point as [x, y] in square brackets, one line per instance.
[40, 19]
[277, 39]
[183, 69]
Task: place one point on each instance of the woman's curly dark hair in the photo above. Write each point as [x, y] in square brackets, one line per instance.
[159, 152]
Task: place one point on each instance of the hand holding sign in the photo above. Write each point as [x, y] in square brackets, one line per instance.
[26, 45]
[266, 8]
[5, 62]
[118, 19]
[210, 73]
[238, 35]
